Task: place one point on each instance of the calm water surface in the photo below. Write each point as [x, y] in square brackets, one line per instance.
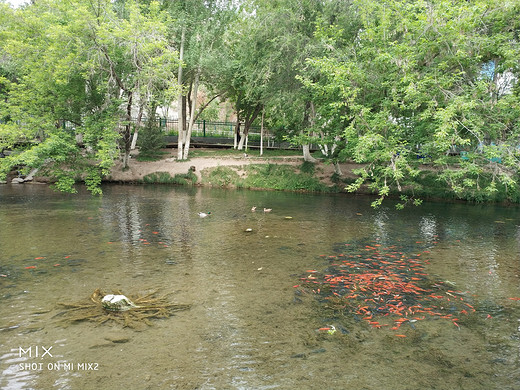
[255, 315]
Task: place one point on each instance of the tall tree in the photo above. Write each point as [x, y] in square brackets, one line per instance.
[83, 68]
[197, 32]
[413, 81]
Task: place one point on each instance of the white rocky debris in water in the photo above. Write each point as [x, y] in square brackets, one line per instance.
[117, 302]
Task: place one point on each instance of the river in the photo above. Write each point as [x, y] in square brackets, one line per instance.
[323, 292]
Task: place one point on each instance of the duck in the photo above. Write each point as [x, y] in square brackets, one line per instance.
[204, 215]
[267, 210]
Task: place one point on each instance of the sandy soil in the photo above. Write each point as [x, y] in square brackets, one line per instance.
[137, 170]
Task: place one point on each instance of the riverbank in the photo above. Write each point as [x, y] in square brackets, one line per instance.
[286, 170]
[208, 169]
[277, 170]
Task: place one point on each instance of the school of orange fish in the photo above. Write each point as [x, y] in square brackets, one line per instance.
[385, 287]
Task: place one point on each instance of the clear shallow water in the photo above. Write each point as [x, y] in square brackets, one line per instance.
[248, 327]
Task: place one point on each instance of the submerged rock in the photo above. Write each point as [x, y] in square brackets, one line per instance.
[117, 303]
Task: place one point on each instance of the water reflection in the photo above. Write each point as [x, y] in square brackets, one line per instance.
[16, 378]
[246, 329]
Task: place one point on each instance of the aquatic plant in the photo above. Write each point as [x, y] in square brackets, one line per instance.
[136, 316]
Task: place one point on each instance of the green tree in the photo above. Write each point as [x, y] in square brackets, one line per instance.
[412, 81]
[197, 32]
[83, 66]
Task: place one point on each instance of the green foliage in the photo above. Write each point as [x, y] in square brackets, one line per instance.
[211, 112]
[221, 177]
[390, 84]
[151, 138]
[93, 181]
[308, 167]
[165, 178]
[421, 78]
[64, 182]
[77, 66]
[281, 177]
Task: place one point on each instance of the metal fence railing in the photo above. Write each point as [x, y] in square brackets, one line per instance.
[216, 129]
[224, 131]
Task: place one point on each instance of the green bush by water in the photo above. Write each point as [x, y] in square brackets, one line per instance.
[165, 178]
[221, 177]
[268, 176]
[430, 185]
[282, 177]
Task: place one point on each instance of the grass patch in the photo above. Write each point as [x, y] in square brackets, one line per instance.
[281, 177]
[221, 177]
[268, 176]
[308, 168]
[152, 156]
[165, 178]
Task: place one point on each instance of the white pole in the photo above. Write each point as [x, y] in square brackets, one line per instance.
[262, 135]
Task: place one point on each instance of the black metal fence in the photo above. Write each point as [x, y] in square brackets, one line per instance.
[218, 132]
[212, 132]
[205, 128]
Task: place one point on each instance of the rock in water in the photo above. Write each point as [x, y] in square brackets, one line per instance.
[117, 303]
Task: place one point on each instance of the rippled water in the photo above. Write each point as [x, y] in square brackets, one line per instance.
[248, 326]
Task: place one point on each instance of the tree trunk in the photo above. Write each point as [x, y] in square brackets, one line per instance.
[192, 114]
[180, 101]
[137, 126]
[307, 153]
[337, 169]
[236, 136]
[128, 131]
[310, 114]
[242, 136]
[184, 113]
[247, 125]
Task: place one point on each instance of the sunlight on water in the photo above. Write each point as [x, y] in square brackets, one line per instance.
[305, 296]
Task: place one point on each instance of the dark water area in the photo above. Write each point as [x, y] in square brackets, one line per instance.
[323, 292]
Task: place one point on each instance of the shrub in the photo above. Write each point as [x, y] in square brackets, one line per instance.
[282, 177]
[165, 178]
[221, 177]
[151, 138]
